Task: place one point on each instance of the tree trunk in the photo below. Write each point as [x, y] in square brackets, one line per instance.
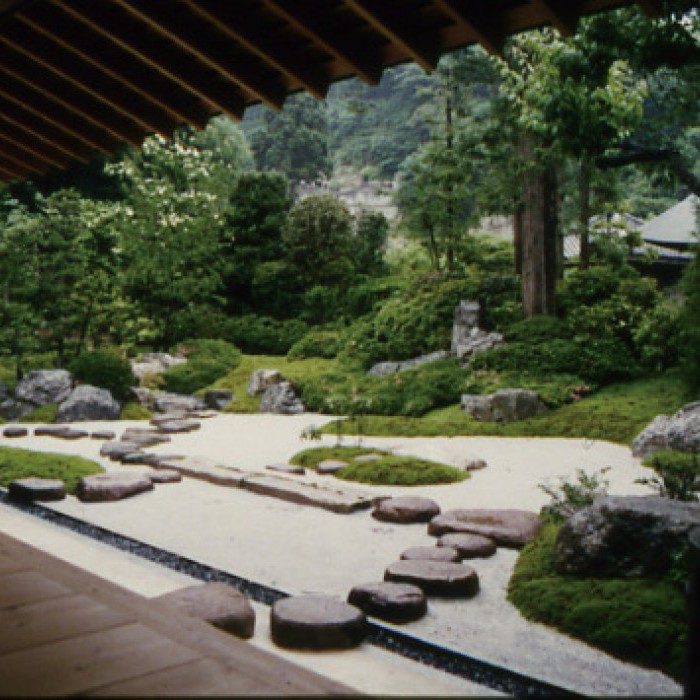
[518, 238]
[539, 237]
[584, 189]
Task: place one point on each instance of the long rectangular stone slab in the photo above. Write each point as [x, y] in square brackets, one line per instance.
[198, 469]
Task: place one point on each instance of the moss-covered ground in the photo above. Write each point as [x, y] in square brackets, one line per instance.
[20, 464]
[643, 621]
[389, 469]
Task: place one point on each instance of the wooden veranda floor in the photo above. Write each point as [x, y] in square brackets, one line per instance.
[64, 631]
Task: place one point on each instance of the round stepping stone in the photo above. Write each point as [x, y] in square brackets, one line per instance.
[395, 602]
[507, 527]
[103, 435]
[441, 578]
[112, 486]
[286, 469]
[15, 432]
[330, 466]
[164, 476]
[367, 458]
[474, 465]
[406, 509]
[35, 489]
[179, 426]
[216, 603]
[431, 554]
[316, 622]
[468, 546]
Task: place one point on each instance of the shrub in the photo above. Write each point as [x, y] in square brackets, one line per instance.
[106, 369]
[134, 411]
[538, 329]
[316, 344]
[587, 287]
[262, 335]
[690, 325]
[193, 375]
[43, 414]
[569, 497]
[208, 349]
[657, 338]
[676, 473]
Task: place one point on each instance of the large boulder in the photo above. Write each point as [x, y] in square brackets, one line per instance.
[263, 379]
[155, 363]
[218, 399]
[467, 338]
[681, 431]
[44, 386]
[281, 398]
[165, 402]
[503, 406]
[88, 403]
[11, 409]
[624, 536]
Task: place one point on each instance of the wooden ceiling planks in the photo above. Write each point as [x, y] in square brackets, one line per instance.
[79, 76]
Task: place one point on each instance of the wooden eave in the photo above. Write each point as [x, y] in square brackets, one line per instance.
[80, 76]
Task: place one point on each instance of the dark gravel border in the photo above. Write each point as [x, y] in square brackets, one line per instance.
[447, 660]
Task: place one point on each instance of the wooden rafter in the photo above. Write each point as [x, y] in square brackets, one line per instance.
[484, 32]
[252, 38]
[19, 158]
[30, 146]
[559, 15]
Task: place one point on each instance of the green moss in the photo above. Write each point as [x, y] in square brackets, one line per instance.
[643, 621]
[134, 411]
[20, 464]
[389, 469]
[43, 414]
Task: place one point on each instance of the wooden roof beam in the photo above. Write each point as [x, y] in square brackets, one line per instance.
[71, 41]
[252, 38]
[21, 159]
[159, 19]
[313, 26]
[389, 25]
[232, 105]
[29, 145]
[559, 15]
[484, 32]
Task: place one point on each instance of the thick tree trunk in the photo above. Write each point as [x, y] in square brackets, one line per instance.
[518, 238]
[539, 238]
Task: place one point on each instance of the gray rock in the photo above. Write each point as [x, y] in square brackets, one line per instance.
[474, 465]
[262, 379]
[218, 399]
[216, 603]
[88, 403]
[503, 406]
[164, 476]
[440, 578]
[112, 486]
[395, 602]
[382, 369]
[15, 432]
[44, 386]
[34, 489]
[154, 363]
[116, 450]
[4, 392]
[467, 338]
[143, 438]
[165, 402]
[174, 427]
[103, 435]
[316, 622]
[468, 546]
[624, 536]
[406, 509]
[431, 554]
[71, 434]
[11, 409]
[681, 431]
[285, 468]
[330, 466]
[51, 430]
[281, 399]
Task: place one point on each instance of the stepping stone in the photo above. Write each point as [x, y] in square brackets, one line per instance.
[474, 465]
[103, 435]
[144, 439]
[167, 418]
[330, 466]
[116, 450]
[71, 434]
[15, 432]
[431, 554]
[34, 489]
[468, 546]
[286, 469]
[164, 476]
[112, 486]
[158, 460]
[367, 458]
[441, 578]
[134, 458]
[395, 602]
[508, 528]
[218, 604]
[179, 426]
[406, 509]
[50, 430]
[316, 622]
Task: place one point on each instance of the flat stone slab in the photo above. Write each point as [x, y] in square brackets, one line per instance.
[406, 509]
[395, 602]
[367, 458]
[117, 449]
[164, 476]
[134, 458]
[440, 578]
[179, 426]
[474, 465]
[103, 435]
[15, 432]
[35, 489]
[295, 492]
[144, 439]
[112, 486]
[330, 466]
[218, 604]
[50, 430]
[431, 554]
[316, 622]
[508, 528]
[168, 418]
[468, 546]
[202, 469]
[286, 469]
[71, 434]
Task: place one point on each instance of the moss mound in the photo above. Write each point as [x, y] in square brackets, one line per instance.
[643, 621]
[388, 470]
[16, 463]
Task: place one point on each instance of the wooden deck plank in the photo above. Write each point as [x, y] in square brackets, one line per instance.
[24, 587]
[55, 619]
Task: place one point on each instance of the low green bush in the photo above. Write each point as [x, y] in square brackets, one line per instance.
[643, 621]
[258, 335]
[325, 344]
[106, 369]
[676, 474]
[538, 329]
[42, 414]
[134, 411]
[193, 375]
[658, 336]
[210, 349]
[21, 464]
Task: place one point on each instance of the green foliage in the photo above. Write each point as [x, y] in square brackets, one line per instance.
[192, 376]
[389, 470]
[21, 464]
[587, 287]
[690, 324]
[107, 369]
[643, 621]
[132, 410]
[316, 344]
[658, 336]
[209, 349]
[262, 334]
[676, 474]
[538, 329]
[569, 496]
[371, 235]
[43, 414]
